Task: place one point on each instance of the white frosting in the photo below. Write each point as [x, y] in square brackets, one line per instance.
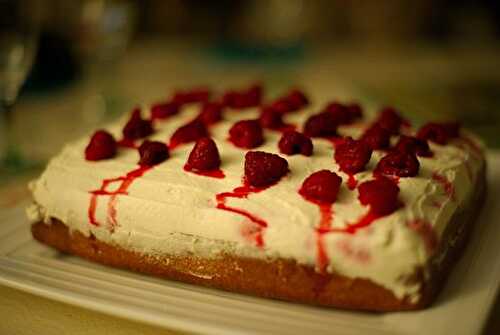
[172, 211]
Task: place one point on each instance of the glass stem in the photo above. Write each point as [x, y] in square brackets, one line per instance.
[5, 130]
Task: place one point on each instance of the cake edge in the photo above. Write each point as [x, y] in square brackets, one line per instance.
[279, 278]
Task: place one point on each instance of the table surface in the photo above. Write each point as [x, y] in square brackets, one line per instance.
[147, 72]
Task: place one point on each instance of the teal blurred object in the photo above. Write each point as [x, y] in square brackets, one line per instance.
[234, 52]
[265, 32]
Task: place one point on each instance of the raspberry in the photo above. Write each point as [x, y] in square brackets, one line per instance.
[271, 119]
[246, 134]
[281, 106]
[297, 99]
[233, 99]
[211, 112]
[204, 156]
[439, 133]
[413, 145]
[164, 110]
[254, 94]
[390, 120]
[152, 153]
[243, 99]
[339, 111]
[182, 97]
[137, 127]
[292, 142]
[321, 186]
[380, 194]
[323, 124]
[401, 164]
[291, 102]
[376, 137]
[102, 145]
[264, 169]
[355, 110]
[344, 114]
[190, 132]
[352, 155]
[452, 128]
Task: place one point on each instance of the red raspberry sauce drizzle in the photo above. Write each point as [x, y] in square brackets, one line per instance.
[476, 149]
[126, 143]
[242, 192]
[447, 186]
[326, 211]
[364, 221]
[426, 232]
[324, 226]
[325, 223]
[219, 174]
[351, 181]
[126, 181]
[173, 144]
[436, 204]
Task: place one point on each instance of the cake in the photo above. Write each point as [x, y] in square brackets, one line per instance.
[323, 204]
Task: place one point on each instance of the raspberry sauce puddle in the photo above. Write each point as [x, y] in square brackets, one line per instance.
[126, 181]
[173, 145]
[219, 174]
[126, 143]
[242, 192]
[351, 181]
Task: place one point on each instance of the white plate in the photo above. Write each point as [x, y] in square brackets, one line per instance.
[461, 309]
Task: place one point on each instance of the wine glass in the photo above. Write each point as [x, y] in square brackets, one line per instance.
[19, 28]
